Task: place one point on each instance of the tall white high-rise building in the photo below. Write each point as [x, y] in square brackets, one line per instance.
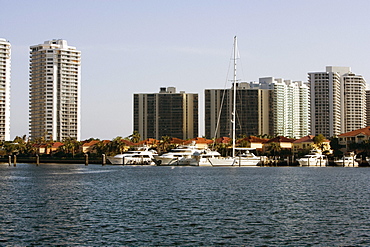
[5, 56]
[55, 78]
[338, 101]
[290, 106]
[354, 102]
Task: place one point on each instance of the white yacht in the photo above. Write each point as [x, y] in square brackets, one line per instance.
[141, 156]
[206, 156]
[315, 158]
[347, 161]
[247, 158]
[181, 156]
[244, 158]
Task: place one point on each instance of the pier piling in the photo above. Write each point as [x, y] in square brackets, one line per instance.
[86, 159]
[37, 159]
[104, 161]
[15, 160]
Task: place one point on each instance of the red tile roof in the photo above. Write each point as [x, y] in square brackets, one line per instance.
[149, 141]
[175, 140]
[281, 139]
[199, 140]
[128, 143]
[224, 140]
[364, 131]
[57, 144]
[89, 144]
[253, 139]
[308, 138]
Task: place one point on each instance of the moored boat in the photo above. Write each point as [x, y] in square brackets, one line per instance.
[244, 158]
[209, 158]
[181, 156]
[315, 158]
[141, 156]
[247, 158]
[347, 161]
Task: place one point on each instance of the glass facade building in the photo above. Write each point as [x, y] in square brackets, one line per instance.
[167, 113]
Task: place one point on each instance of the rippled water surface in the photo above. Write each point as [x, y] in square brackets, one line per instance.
[96, 205]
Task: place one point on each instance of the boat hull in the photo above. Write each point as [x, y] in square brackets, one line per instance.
[130, 161]
[170, 161]
[346, 163]
[250, 162]
[221, 161]
[312, 162]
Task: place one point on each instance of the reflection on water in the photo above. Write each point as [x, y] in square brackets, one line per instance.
[187, 206]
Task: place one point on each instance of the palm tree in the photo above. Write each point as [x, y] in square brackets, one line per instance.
[101, 148]
[135, 137]
[243, 142]
[19, 145]
[71, 146]
[164, 144]
[116, 146]
[319, 141]
[335, 146]
[274, 148]
[10, 148]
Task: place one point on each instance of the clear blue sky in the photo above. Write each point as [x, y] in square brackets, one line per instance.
[139, 46]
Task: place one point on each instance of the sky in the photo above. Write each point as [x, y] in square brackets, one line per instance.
[139, 46]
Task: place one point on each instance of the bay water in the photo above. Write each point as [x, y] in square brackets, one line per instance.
[78, 205]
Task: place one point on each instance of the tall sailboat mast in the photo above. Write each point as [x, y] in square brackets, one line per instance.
[234, 98]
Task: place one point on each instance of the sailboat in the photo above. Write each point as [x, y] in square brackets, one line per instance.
[246, 158]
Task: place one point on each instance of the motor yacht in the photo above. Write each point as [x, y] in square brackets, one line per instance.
[140, 156]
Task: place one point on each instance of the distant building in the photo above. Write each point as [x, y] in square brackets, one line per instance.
[5, 57]
[367, 107]
[306, 144]
[167, 113]
[338, 101]
[55, 78]
[355, 136]
[354, 102]
[253, 111]
[290, 106]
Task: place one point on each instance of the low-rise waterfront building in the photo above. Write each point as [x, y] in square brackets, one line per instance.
[252, 142]
[281, 141]
[306, 144]
[89, 147]
[47, 148]
[356, 136]
[199, 142]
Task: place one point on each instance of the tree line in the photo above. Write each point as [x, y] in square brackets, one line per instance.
[22, 146]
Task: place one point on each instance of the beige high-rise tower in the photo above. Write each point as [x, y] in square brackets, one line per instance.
[55, 78]
[338, 101]
[5, 54]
